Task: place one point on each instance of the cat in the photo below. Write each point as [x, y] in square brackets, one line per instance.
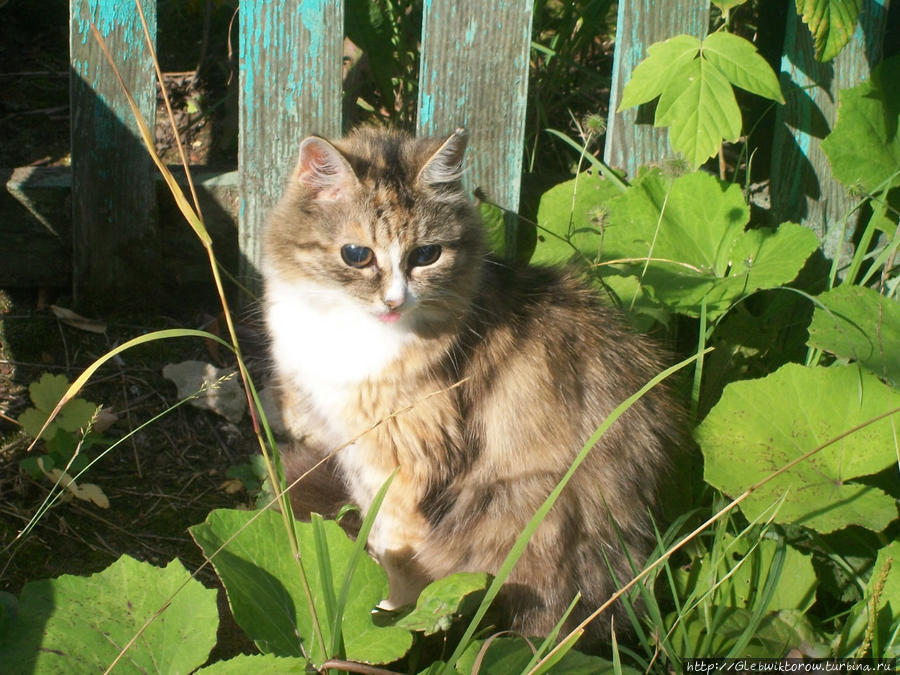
[478, 382]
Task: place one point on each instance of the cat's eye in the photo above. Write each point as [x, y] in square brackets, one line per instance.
[357, 256]
[424, 255]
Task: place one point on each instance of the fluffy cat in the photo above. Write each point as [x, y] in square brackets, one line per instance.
[478, 382]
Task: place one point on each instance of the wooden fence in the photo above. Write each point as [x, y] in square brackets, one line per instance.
[473, 72]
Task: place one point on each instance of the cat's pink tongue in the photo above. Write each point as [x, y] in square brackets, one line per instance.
[389, 317]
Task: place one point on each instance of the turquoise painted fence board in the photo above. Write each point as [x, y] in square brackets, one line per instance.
[115, 244]
[474, 74]
[802, 187]
[290, 68]
[631, 139]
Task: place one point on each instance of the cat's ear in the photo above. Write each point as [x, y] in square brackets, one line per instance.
[445, 165]
[324, 171]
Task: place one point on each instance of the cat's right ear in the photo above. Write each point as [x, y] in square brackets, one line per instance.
[323, 170]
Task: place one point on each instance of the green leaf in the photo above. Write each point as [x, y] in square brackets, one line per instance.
[864, 146]
[692, 229]
[861, 324]
[653, 74]
[45, 394]
[79, 624]
[699, 107]
[831, 23]
[32, 420]
[258, 664]
[570, 217]
[266, 595]
[260, 577]
[759, 426]
[443, 600]
[76, 414]
[739, 61]
[47, 391]
[796, 585]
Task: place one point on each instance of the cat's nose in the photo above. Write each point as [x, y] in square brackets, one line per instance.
[393, 303]
[395, 295]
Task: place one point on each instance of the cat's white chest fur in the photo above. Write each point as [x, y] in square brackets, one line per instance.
[326, 343]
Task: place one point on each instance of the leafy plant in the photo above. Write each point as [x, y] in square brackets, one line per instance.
[693, 80]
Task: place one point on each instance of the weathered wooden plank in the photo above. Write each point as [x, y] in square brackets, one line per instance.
[802, 187]
[474, 74]
[631, 139]
[291, 68]
[116, 251]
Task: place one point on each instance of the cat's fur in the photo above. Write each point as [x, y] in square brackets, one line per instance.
[480, 394]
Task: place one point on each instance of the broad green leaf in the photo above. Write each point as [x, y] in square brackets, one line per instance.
[570, 217]
[652, 75]
[512, 654]
[739, 61]
[864, 146]
[886, 574]
[858, 323]
[258, 664]
[698, 106]
[79, 624]
[441, 601]
[265, 591]
[692, 230]
[759, 426]
[260, 577]
[831, 23]
[749, 570]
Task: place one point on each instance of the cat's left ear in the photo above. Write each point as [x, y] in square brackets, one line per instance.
[445, 166]
[324, 171]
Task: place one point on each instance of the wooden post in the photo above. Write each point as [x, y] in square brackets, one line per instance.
[474, 74]
[802, 186]
[631, 138]
[115, 246]
[291, 68]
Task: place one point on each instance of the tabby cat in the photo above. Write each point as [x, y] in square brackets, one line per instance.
[478, 382]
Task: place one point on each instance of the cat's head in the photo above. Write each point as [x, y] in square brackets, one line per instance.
[379, 221]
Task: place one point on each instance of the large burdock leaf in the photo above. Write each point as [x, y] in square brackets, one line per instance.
[570, 216]
[831, 23]
[79, 624]
[265, 589]
[859, 323]
[864, 147]
[759, 426]
[691, 231]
